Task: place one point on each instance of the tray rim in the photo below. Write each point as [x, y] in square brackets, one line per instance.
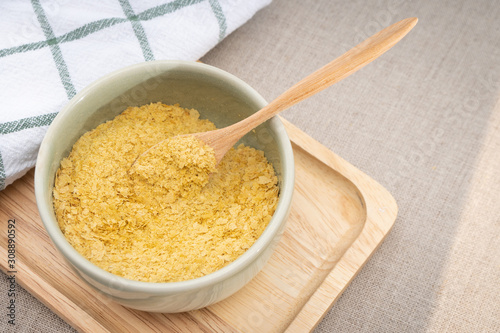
[359, 252]
[377, 222]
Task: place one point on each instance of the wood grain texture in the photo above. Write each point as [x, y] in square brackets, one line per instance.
[339, 217]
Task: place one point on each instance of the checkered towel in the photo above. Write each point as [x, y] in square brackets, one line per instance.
[49, 50]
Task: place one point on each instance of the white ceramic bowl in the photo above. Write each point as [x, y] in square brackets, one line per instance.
[220, 97]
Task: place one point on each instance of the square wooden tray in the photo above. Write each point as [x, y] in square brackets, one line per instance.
[339, 218]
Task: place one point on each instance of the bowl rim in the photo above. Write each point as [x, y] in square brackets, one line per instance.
[116, 282]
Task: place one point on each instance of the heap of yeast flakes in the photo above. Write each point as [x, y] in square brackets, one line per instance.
[178, 166]
[131, 222]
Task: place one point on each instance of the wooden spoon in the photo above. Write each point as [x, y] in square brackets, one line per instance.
[221, 140]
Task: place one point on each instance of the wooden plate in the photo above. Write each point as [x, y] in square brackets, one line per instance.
[339, 217]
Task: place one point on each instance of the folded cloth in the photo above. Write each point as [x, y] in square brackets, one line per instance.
[49, 50]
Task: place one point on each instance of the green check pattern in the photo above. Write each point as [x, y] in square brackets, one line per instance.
[55, 49]
[95, 26]
[54, 42]
[219, 14]
[138, 30]
[2, 174]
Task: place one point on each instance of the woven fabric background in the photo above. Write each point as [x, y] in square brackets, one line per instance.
[423, 120]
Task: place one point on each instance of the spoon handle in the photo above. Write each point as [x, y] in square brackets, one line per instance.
[338, 69]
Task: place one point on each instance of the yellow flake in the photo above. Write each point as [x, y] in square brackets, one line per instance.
[163, 220]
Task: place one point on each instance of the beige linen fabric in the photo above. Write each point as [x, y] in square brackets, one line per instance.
[423, 120]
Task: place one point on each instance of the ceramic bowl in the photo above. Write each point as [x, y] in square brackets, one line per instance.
[218, 96]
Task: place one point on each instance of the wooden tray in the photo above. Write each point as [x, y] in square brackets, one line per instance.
[339, 217]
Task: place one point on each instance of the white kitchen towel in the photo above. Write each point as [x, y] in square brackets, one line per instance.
[49, 50]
